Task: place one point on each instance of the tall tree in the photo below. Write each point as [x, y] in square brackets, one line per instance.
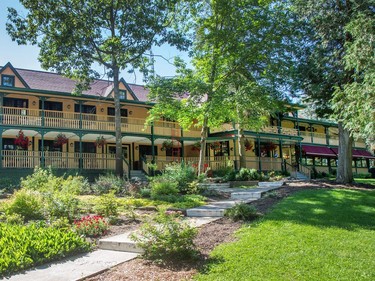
[73, 35]
[354, 103]
[235, 69]
[323, 68]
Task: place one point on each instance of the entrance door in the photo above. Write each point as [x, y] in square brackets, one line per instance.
[125, 151]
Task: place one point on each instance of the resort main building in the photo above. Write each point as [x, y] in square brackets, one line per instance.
[43, 124]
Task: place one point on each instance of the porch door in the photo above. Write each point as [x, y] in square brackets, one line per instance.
[111, 149]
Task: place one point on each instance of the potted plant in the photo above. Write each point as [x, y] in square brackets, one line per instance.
[166, 145]
[270, 146]
[21, 141]
[196, 146]
[248, 145]
[60, 140]
[215, 145]
[100, 141]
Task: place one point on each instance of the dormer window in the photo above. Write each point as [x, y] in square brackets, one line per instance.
[7, 80]
[122, 95]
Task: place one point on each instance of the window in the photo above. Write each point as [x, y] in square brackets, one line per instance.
[8, 144]
[49, 145]
[52, 105]
[111, 112]
[87, 147]
[89, 109]
[7, 80]
[333, 162]
[122, 95]
[12, 102]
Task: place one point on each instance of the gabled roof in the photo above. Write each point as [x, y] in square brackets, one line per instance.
[16, 73]
[49, 81]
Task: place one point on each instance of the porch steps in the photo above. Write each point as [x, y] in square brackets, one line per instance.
[237, 195]
[137, 174]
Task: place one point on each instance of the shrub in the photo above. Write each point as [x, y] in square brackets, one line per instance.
[41, 180]
[33, 244]
[8, 185]
[59, 204]
[242, 211]
[107, 205]
[106, 183]
[145, 192]
[161, 188]
[166, 237]
[26, 203]
[248, 174]
[182, 174]
[12, 219]
[91, 226]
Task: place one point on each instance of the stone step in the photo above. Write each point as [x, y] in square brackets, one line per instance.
[121, 243]
[270, 183]
[215, 185]
[245, 195]
[200, 212]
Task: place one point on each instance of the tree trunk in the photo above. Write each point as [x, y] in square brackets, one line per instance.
[202, 152]
[344, 166]
[241, 147]
[119, 160]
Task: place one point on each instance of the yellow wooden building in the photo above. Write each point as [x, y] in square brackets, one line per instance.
[69, 132]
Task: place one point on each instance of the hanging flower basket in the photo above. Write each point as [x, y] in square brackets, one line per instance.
[166, 145]
[196, 146]
[21, 141]
[100, 141]
[248, 145]
[270, 146]
[60, 140]
[215, 145]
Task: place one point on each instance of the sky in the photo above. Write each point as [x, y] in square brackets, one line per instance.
[27, 56]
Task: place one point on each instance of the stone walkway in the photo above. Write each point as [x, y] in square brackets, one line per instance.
[118, 249]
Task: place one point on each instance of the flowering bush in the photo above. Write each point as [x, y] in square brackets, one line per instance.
[91, 226]
[21, 141]
[60, 140]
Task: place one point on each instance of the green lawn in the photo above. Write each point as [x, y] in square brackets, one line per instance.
[312, 235]
[366, 181]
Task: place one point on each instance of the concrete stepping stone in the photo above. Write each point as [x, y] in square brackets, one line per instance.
[121, 243]
[76, 267]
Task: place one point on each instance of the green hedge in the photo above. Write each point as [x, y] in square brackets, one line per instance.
[24, 246]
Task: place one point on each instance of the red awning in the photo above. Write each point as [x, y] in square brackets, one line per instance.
[358, 153]
[318, 151]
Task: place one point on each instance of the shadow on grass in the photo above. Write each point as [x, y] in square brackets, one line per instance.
[347, 209]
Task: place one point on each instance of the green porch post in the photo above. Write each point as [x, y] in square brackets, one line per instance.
[326, 131]
[182, 145]
[1, 107]
[235, 152]
[281, 154]
[80, 162]
[152, 143]
[42, 99]
[1, 147]
[42, 161]
[259, 153]
[311, 133]
[80, 114]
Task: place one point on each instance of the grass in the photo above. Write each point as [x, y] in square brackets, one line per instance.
[312, 235]
[365, 181]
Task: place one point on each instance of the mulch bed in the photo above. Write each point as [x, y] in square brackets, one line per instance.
[209, 236]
